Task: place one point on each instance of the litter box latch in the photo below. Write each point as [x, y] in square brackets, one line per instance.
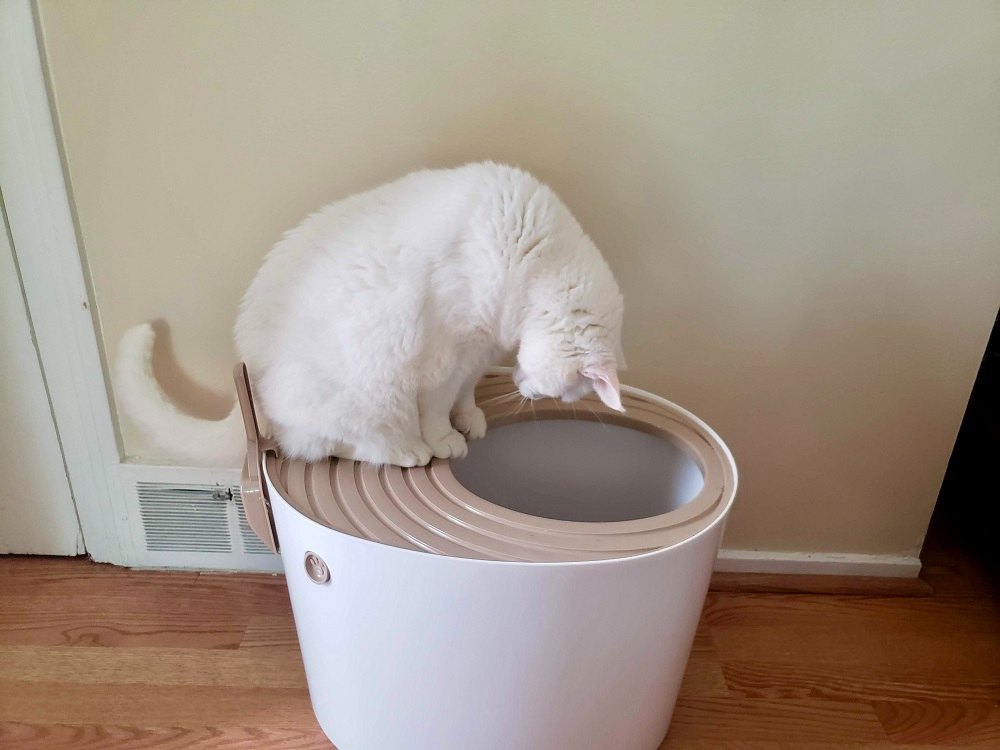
[253, 491]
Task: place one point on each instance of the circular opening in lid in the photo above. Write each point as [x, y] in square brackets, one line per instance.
[578, 470]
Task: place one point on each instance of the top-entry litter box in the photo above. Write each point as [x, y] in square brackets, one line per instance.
[540, 594]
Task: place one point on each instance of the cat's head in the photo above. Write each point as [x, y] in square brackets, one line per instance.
[571, 339]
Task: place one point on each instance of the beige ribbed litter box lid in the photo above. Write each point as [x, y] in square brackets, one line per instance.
[428, 509]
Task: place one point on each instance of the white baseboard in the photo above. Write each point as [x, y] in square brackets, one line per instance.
[728, 561]
[817, 563]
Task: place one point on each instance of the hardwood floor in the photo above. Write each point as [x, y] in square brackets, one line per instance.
[96, 657]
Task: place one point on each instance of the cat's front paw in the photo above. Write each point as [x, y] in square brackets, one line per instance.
[417, 453]
[471, 423]
[452, 445]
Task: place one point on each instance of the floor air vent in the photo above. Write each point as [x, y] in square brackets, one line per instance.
[184, 517]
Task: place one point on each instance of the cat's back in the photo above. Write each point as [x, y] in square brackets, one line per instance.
[424, 210]
[377, 240]
[348, 236]
[431, 205]
[426, 203]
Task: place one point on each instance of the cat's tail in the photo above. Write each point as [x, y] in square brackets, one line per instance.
[197, 442]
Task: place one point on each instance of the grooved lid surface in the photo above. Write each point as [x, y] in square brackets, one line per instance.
[654, 448]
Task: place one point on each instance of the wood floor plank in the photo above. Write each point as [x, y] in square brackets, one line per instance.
[253, 585]
[142, 705]
[970, 723]
[787, 721]
[980, 614]
[738, 744]
[121, 629]
[941, 638]
[976, 654]
[21, 736]
[278, 668]
[159, 596]
[703, 677]
[766, 583]
[19, 571]
[703, 639]
[853, 682]
[950, 579]
[269, 631]
[53, 585]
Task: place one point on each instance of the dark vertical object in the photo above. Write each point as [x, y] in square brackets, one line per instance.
[968, 506]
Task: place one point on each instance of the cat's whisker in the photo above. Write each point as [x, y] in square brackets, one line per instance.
[520, 406]
[498, 399]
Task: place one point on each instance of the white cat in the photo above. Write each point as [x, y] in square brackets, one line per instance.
[367, 327]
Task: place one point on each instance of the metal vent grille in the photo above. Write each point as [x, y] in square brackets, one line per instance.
[252, 545]
[185, 517]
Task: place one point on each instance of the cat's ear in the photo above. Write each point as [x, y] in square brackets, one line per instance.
[604, 378]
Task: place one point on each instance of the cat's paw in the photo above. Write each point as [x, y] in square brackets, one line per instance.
[470, 423]
[417, 453]
[451, 445]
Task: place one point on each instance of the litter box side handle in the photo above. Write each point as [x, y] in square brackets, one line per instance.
[253, 490]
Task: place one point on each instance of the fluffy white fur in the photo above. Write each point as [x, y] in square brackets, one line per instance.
[367, 326]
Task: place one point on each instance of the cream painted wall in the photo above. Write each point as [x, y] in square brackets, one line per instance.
[800, 199]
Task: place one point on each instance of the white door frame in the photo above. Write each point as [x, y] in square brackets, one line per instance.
[55, 287]
[36, 502]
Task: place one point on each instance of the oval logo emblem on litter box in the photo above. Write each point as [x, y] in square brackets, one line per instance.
[316, 569]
